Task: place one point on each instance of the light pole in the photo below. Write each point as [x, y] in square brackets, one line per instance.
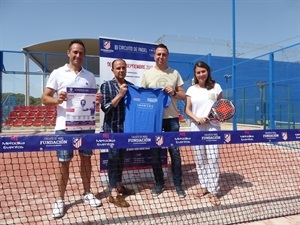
[227, 76]
[261, 85]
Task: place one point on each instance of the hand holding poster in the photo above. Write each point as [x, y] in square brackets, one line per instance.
[81, 109]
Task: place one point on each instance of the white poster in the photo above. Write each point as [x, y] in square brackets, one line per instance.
[81, 109]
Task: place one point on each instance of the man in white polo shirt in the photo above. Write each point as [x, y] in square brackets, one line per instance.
[70, 75]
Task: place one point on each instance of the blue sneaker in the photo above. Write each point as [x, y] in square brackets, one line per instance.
[157, 190]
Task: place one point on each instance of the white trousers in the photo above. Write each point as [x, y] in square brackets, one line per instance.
[207, 160]
[207, 166]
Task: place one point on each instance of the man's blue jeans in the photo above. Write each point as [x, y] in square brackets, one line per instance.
[115, 166]
[169, 125]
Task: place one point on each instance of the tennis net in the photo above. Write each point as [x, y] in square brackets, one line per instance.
[259, 178]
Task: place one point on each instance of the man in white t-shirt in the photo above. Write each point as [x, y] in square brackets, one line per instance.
[70, 75]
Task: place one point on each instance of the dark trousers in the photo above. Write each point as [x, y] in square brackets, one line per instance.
[115, 166]
[169, 125]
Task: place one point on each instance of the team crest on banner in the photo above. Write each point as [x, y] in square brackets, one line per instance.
[284, 135]
[77, 142]
[106, 44]
[227, 138]
[14, 138]
[105, 135]
[159, 140]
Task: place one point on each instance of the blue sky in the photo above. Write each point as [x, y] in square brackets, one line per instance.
[26, 22]
[261, 22]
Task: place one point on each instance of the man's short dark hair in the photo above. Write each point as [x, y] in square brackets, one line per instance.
[162, 46]
[113, 62]
[77, 41]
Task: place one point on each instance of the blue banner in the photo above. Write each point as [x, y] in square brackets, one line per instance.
[113, 48]
[21, 143]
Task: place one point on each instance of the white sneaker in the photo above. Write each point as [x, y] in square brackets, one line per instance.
[92, 200]
[58, 209]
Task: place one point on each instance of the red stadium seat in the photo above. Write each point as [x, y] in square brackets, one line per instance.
[40, 114]
[27, 122]
[22, 115]
[18, 123]
[53, 121]
[31, 115]
[54, 114]
[180, 117]
[25, 108]
[47, 121]
[17, 108]
[49, 114]
[37, 122]
[13, 114]
[42, 108]
[34, 108]
[51, 108]
[9, 122]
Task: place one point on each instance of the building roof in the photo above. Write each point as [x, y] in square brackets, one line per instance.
[48, 61]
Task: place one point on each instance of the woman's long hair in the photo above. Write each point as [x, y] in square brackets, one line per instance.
[209, 83]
